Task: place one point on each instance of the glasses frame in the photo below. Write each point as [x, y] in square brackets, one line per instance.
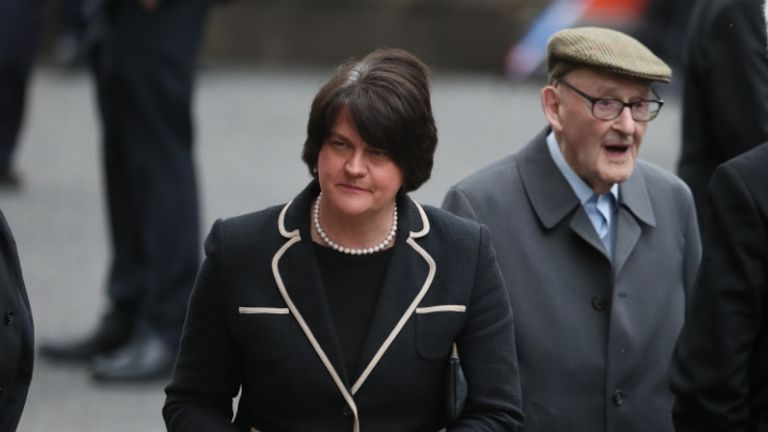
[593, 100]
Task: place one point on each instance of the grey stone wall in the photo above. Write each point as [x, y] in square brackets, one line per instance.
[451, 34]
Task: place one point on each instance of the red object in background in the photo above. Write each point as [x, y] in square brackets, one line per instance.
[614, 10]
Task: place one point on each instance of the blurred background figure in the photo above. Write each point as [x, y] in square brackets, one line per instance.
[664, 26]
[16, 333]
[69, 45]
[527, 55]
[19, 28]
[144, 60]
[725, 108]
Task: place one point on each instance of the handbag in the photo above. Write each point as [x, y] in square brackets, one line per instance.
[456, 387]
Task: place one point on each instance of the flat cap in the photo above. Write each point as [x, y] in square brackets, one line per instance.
[604, 49]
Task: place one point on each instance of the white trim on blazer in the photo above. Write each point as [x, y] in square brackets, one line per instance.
[293, 238]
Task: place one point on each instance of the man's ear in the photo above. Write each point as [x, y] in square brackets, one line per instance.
[550, 103]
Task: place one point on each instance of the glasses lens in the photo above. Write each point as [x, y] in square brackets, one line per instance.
[645, 110]
[607, 109]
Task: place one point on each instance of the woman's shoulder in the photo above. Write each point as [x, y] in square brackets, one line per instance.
[258, 226]
[448, 225]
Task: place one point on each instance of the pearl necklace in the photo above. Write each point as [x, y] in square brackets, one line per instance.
[352, 251]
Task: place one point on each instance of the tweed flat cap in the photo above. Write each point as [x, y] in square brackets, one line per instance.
[605, 49]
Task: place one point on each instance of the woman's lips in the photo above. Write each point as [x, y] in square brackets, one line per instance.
[352, 188]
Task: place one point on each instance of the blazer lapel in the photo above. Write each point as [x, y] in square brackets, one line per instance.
[294, 267]
[408, 278]
[303, 283]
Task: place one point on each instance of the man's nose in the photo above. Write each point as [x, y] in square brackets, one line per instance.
[624, 122]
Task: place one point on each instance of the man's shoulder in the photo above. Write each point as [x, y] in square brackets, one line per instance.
[658, 179]
[749, 167]
[500, 172]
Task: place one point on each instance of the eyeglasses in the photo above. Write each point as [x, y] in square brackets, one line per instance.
[610, 109]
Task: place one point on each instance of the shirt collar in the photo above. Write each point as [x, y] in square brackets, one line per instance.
[582, 190]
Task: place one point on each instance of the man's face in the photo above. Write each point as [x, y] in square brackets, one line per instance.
[601, 152]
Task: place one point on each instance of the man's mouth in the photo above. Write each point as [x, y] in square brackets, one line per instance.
[617, 149]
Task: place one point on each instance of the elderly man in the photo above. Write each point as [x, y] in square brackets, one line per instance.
[598, 249]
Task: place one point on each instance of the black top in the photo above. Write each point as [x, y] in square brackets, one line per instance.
[352, 284]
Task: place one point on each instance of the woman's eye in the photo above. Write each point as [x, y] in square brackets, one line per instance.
[378, 153]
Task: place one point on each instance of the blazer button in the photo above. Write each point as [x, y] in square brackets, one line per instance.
[9, 317]
[599, 302]
[347, 411]
[618, 398]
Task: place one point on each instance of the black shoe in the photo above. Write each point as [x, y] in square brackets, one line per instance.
[146, 357]
[10, 181]
[114, 330]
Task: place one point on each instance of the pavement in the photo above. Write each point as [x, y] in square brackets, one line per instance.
[250, 129]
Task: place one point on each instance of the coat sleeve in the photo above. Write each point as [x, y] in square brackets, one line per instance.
[487, 351]
[711, 360]
[206, 377]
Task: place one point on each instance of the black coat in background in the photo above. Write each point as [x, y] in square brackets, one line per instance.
[16, 333]
[720, 368]
[726, 88]
[259, 323]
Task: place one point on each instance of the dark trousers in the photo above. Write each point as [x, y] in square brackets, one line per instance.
[144, 64]
[19, 28]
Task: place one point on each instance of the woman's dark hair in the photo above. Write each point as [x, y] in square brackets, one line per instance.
[387, 95]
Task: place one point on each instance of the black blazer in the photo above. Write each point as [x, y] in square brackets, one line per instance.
[720, 368]
[16, 333]
[726, 88]
[258, 320]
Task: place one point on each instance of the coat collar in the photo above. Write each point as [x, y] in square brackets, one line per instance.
[552, 199]
[407, 280]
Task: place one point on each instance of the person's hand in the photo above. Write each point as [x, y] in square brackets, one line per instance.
[149, 5]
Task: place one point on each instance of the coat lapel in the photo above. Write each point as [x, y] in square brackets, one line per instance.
[634, 207]
[551, 197]
[407, 280]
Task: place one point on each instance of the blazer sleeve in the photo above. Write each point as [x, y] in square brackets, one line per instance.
[711, 360]
[206, 377]
[14, 396]
[487, 351]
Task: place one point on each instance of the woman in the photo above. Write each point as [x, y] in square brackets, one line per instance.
[338, 310]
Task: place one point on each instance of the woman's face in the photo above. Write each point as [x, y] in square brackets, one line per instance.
[356, 180]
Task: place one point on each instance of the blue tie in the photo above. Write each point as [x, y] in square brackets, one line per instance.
[600, 211]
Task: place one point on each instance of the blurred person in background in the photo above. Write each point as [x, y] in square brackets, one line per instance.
[69, 43]
[720, 369]
[144, 60]
[725, 98]
[338, 311]
[598, 249]
[16, 333]
[20, 22]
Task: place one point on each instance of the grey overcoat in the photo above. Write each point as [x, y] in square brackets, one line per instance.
[594, 338]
